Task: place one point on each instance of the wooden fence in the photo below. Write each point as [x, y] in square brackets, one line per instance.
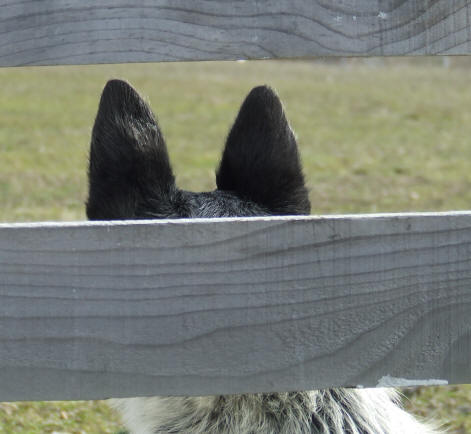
[92, 310]
[110, 31]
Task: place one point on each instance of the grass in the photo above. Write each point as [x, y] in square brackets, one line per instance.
[57, 417]
[385, 138]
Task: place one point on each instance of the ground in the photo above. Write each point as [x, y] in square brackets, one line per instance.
[375, 136]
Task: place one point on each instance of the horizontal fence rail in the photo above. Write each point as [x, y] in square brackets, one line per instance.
[190, 307]
[113, 31]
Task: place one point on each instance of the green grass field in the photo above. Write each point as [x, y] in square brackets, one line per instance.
[384, 138]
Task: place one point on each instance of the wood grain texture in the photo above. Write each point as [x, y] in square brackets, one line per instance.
[113, 31]
[93, 310]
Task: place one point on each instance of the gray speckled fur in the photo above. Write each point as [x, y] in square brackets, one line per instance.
[260, 174]
[353, 411]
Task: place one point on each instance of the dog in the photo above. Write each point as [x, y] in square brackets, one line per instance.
[130, 177]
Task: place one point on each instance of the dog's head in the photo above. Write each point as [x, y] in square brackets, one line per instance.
[130, 176]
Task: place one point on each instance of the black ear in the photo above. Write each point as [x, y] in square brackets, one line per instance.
[260, 161]
[129, 173]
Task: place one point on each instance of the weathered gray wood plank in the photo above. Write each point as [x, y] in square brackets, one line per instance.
[111, 31]
[92, 310]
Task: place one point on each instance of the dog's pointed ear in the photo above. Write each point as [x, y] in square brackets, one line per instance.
[129, 171]
[260, 161]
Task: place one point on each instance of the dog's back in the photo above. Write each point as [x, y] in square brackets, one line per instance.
[260, 173]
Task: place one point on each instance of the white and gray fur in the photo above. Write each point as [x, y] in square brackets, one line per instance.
[353, 411]
[260, 174]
